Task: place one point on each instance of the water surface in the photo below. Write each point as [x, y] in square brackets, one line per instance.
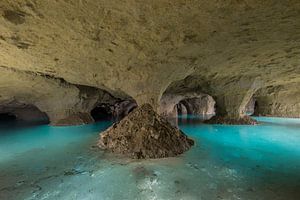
[227, 162]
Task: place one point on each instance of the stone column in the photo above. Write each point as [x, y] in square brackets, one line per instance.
[231, 106]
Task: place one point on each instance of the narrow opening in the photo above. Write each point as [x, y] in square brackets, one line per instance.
[256, 109]
[202, 107]
[102, 112]
[7, 117]
[116, 111]
[181, 109]
[250, 107]
[131, 109]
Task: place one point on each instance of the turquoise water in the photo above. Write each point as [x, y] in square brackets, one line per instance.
[227, 162]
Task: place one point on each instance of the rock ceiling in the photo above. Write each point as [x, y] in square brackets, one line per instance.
[140, 48]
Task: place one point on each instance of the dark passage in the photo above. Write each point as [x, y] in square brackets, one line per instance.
[7, 117]
[102, 112]
[256, 109]
[17, 114]
[115, 111]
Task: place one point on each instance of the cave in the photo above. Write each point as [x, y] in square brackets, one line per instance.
[195, 109]
[120, 95]
[186, 106]
[20, 114]
[203, 107]
[256, 109]
[7, 117]
[182, 109]
[251, 107]
[113, 111]
[102, 112]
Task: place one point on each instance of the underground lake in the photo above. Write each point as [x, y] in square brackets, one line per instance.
[226, 162]
[149, 100]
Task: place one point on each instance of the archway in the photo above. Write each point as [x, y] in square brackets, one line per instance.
[187, 105]
[114, 110]
[250, 107]
[16, 113]
[202, 107]
[102, 112]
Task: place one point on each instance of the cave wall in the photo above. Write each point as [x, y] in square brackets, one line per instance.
[250, 107]
[193, 103]
[205, 105]
[281, 101]
[114, 109]
[64, 103]
[140, 49]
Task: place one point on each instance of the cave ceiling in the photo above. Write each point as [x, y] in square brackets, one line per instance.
[140, 48]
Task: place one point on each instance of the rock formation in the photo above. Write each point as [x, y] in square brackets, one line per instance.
[28, 114]
[280, 101]
[191, 102]
[144, 134]
[186, 103]
[250, 107]
[113, 110]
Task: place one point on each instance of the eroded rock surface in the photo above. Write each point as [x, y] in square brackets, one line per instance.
[279, 101]
[140, 49]
[194, 103]
[25, 113]
[144, 134]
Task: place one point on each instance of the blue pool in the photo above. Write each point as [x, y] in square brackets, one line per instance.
[227, 162]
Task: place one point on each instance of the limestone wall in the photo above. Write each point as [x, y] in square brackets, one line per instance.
[140, 49]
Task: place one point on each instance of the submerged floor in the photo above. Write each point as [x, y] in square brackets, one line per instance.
[228, 162]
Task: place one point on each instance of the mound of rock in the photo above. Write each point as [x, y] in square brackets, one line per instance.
[144, 134]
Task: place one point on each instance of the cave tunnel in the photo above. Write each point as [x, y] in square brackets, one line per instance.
[102, 112]
[256, 109]
[113, 111]
[252, 107]
[22, 115]
[7, 117]
[202, 107]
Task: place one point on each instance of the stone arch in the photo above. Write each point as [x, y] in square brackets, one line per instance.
[202, 106]
[102, 112]
[182, 108]
[116, 109]
[23, 113]
[193, 103]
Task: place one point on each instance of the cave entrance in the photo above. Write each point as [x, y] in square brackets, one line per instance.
[18, 114]
[7, 117]
[251, 107]
[113, 111]
[256, 109]
[202, 107]
[102, 112]
[181, 109]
